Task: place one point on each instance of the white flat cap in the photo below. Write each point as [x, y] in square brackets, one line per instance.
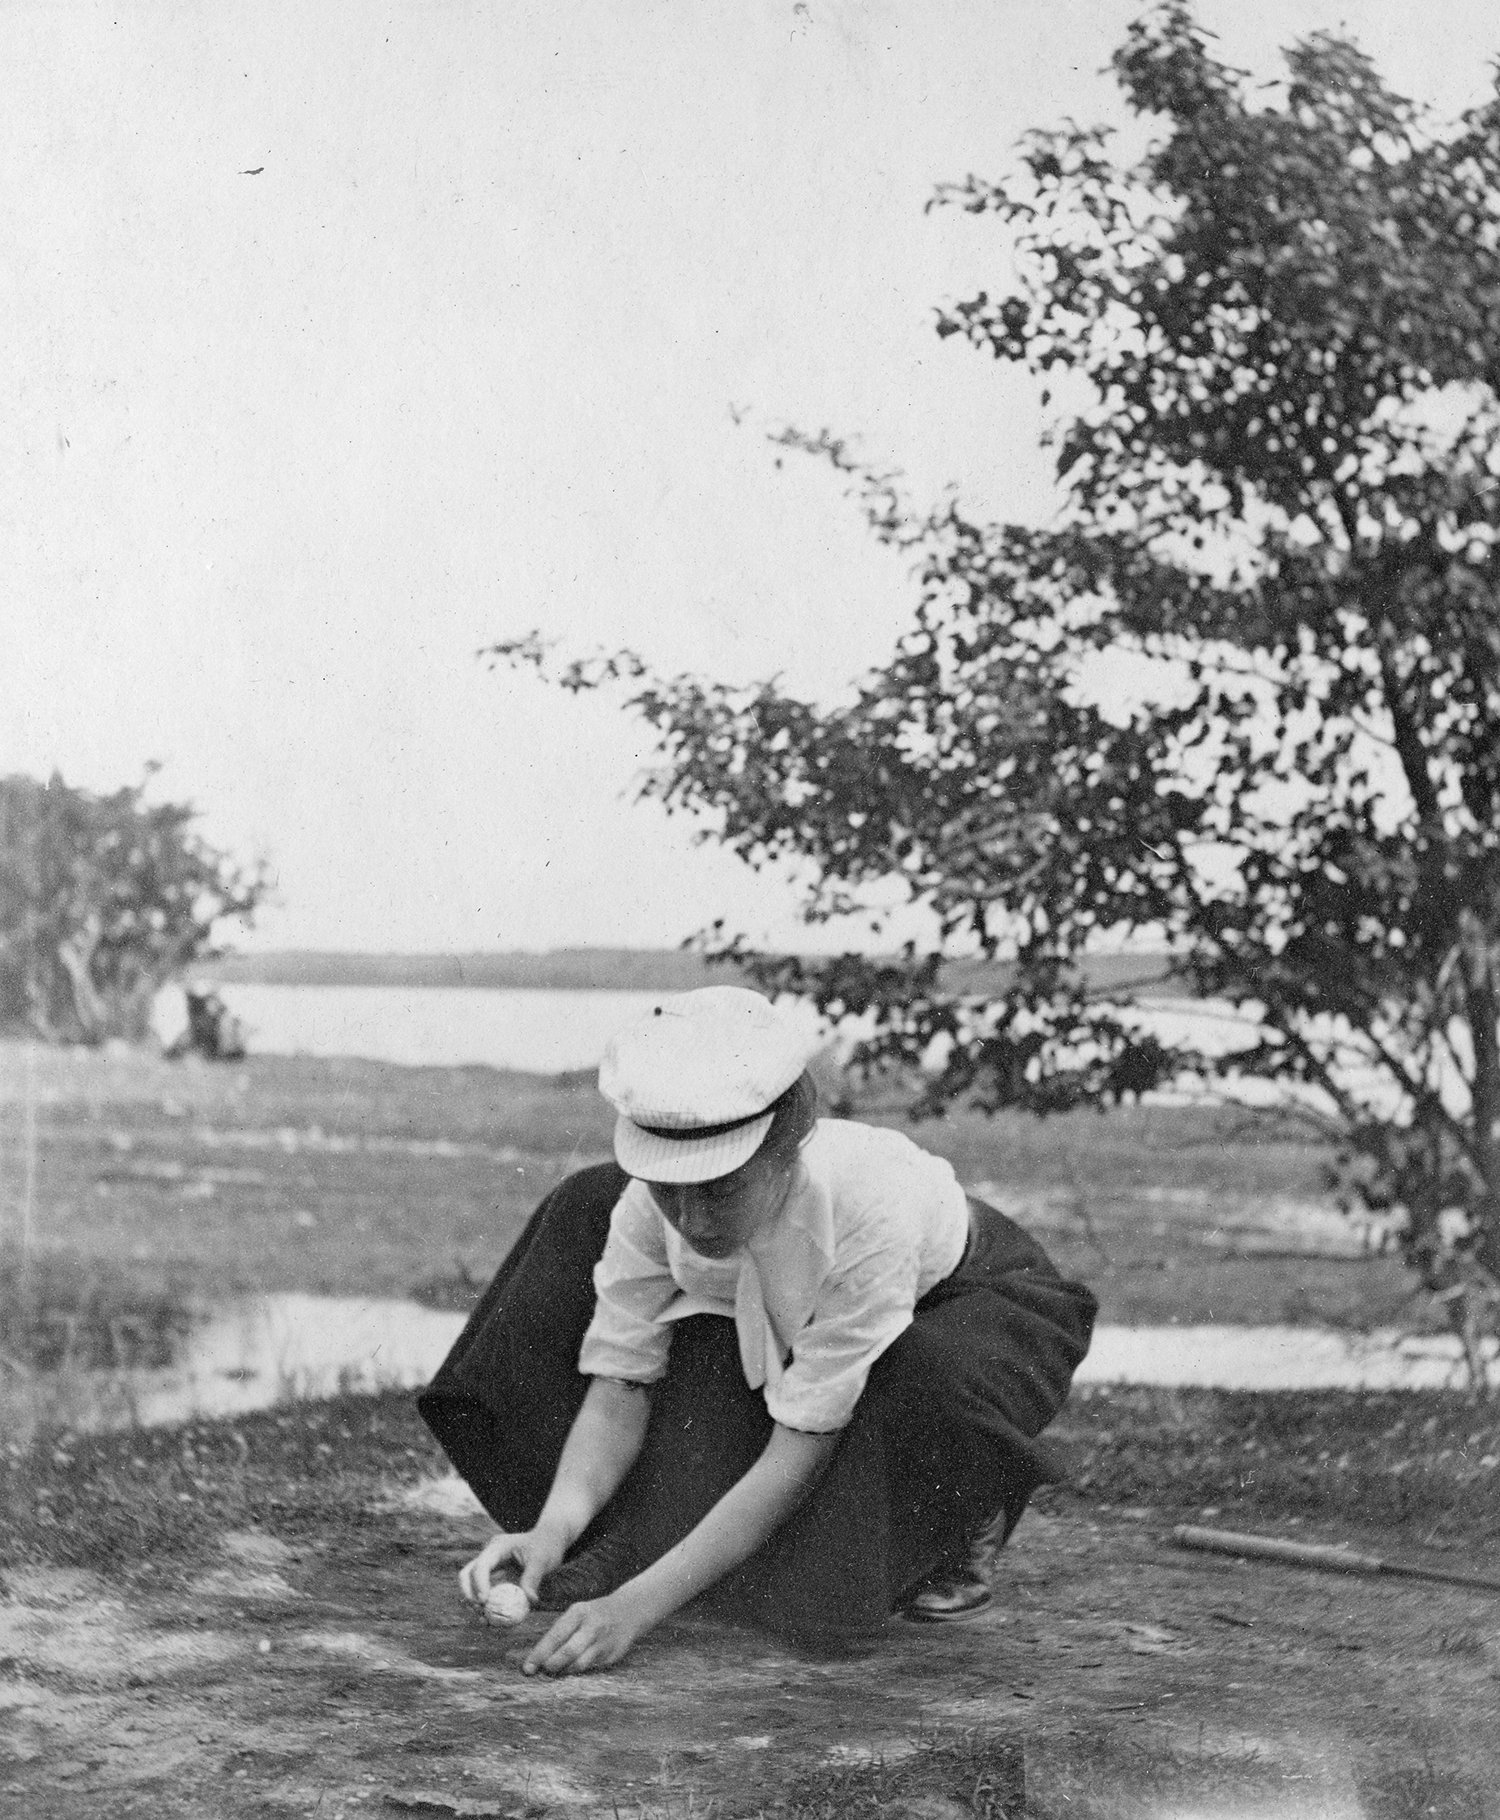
[694, 1079]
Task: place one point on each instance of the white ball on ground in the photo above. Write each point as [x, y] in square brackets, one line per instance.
[506, 1604]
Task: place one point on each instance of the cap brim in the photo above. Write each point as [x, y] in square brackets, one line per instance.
[659, 1159]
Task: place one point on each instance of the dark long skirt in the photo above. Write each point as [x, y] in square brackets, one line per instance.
[942, 1443]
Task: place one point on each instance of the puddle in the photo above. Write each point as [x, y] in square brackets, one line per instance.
[249, 1355]
[272, 1349]
[1276, 1358]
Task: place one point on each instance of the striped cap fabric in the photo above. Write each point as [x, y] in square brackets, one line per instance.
[693, 1081]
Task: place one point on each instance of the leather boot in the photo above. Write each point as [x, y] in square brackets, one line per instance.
[962, 1587]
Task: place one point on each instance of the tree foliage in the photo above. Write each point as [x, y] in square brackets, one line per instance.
[1274, 344]
[102, 900]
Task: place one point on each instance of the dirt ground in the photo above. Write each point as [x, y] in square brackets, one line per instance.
[344, 1676]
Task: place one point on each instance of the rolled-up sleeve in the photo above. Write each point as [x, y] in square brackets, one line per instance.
[861, 1309]
[633, 1286]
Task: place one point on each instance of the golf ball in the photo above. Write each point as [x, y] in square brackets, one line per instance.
[506, 1604]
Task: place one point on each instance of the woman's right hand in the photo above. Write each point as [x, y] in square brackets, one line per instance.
[533, 1551]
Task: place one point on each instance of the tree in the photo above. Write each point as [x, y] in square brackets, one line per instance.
[102, 900]
[1275, 344]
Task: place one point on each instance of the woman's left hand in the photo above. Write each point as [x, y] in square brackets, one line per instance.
[595, 1633]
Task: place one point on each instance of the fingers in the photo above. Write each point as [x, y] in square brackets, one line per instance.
[536, 1569]
[578, 1641]
[562, 1649]
[537, 1555]
[474, 1576]
[534, 1557]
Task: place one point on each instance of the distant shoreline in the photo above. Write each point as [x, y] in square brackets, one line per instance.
[559, 970]
[579, 970]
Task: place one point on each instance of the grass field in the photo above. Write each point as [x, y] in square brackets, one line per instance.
[160, 1187]
[157, 1183]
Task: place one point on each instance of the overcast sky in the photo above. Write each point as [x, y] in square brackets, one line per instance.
[342, 339]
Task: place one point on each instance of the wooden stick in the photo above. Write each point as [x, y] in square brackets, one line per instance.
[1316, 1554]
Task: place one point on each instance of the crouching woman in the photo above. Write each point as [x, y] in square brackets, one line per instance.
[780, 1363]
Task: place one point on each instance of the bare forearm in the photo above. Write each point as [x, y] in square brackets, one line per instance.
[597, 1632]
[748, 1514]
[602, 1446]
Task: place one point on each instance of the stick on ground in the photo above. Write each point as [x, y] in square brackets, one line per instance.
[1317, 1554]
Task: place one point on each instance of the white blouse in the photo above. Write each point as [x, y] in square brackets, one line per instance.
[871, 1224]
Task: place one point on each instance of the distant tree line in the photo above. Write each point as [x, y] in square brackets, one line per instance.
[583, 970]
[103, 899]
[556, 970]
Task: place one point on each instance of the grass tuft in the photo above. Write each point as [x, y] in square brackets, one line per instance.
[977, 1773]
[60, 1311]
[148, 1497]
[1423, 1461]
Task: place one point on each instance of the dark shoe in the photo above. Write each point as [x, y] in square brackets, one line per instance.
[954, 1593]
[597, 1571]
[964, 1586]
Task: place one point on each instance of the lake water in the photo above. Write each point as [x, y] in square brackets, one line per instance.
[544, 1031]
[426, 1026]
[550, 1032]
[264, 1350]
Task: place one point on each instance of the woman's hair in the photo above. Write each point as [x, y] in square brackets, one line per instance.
[792, 1119]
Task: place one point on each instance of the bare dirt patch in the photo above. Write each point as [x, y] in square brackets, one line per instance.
[341, 1674]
